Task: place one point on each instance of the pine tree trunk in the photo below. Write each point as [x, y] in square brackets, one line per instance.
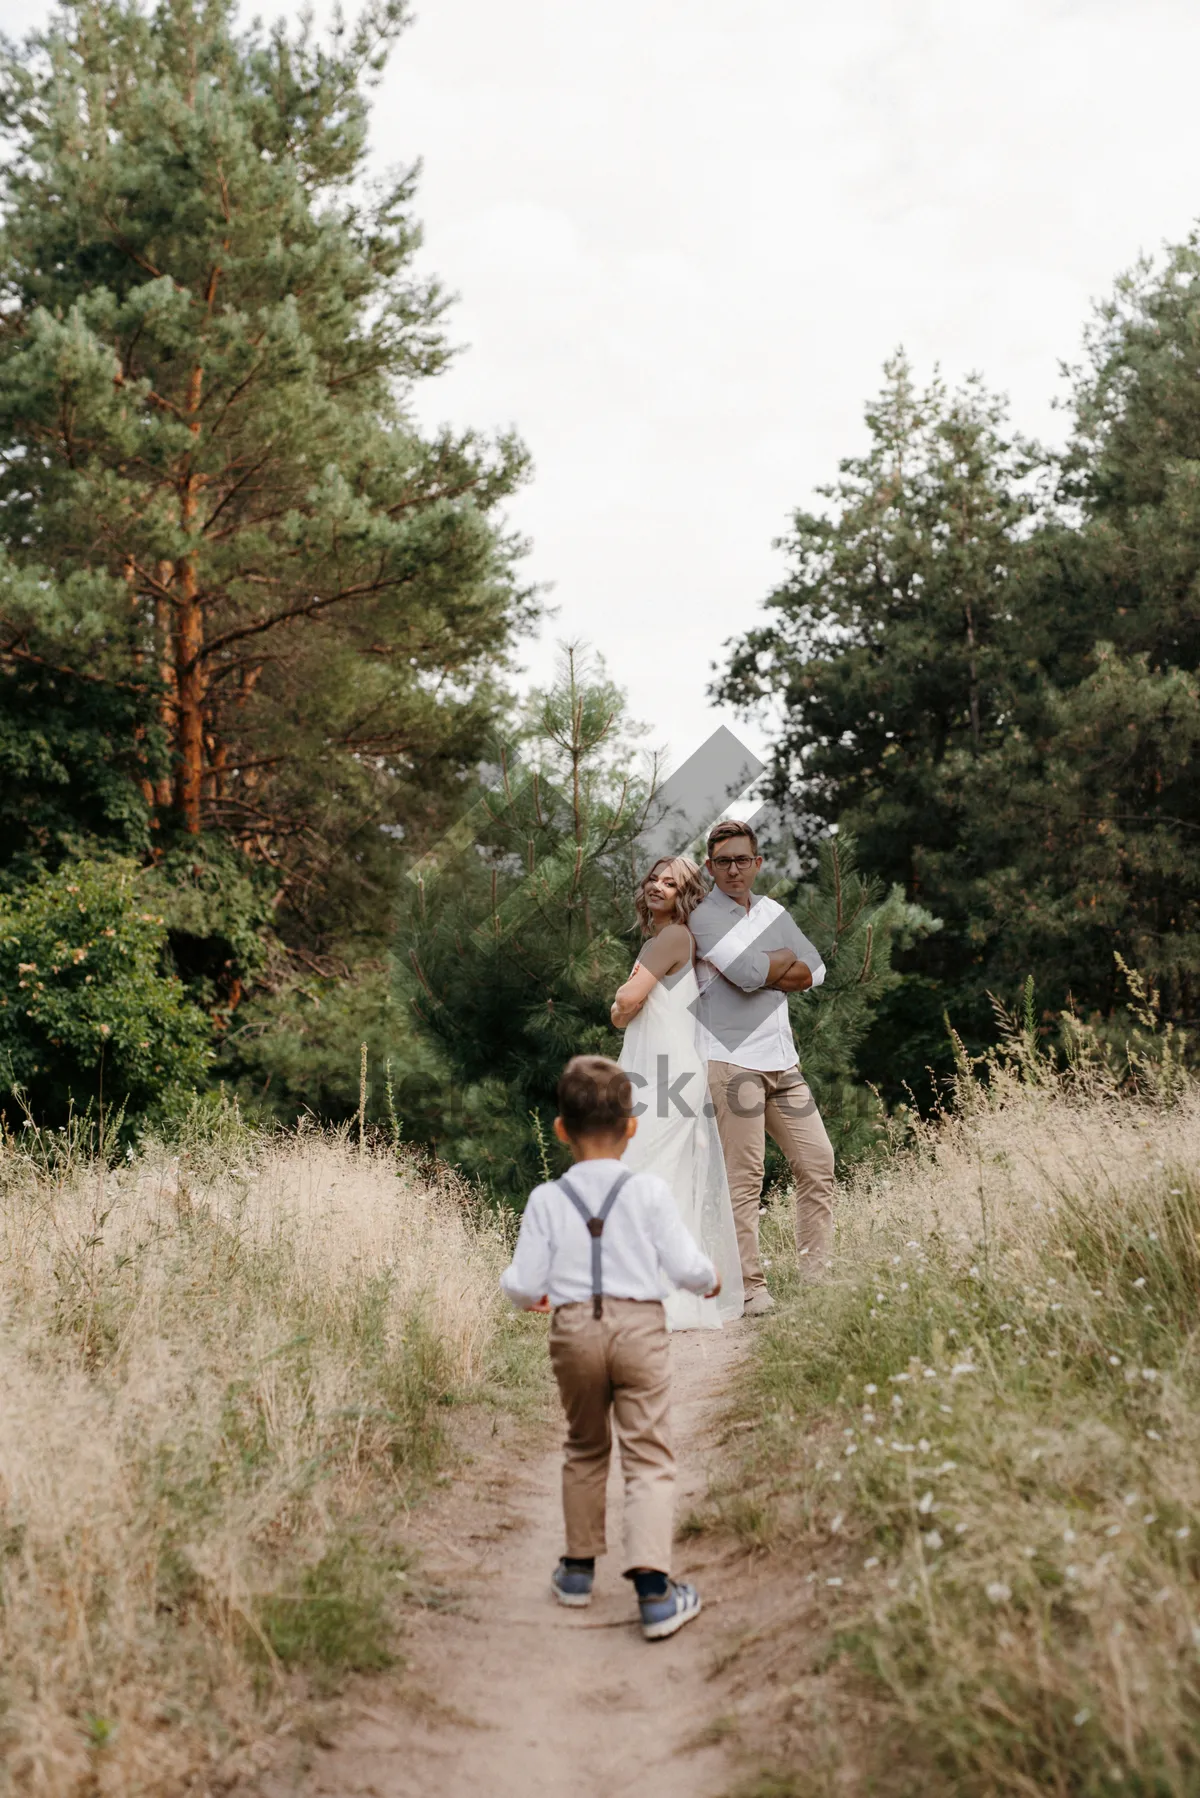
[166, 670]
[973, 673]
[189, 643]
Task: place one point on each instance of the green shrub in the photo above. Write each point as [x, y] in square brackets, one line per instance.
[89, 1018]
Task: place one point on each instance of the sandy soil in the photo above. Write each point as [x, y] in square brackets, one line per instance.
[505, 1692]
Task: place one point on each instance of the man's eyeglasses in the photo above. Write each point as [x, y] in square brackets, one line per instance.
[738, 862]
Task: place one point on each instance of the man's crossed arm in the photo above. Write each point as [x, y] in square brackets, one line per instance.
[744, 964]
[788, 974]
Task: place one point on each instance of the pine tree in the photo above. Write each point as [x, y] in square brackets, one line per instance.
[895, 655]
[522, 925]
[212, 493]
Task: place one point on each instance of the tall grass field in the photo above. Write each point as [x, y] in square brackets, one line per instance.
[978, 1445]
[223, 1376]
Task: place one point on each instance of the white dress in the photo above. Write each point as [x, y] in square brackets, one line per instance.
[677, 1140]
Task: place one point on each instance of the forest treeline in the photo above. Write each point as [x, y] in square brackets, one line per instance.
[267, 791]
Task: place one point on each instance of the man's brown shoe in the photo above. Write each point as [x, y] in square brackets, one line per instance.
[758, 1304]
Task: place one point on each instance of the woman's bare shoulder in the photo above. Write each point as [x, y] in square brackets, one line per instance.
[668, 950]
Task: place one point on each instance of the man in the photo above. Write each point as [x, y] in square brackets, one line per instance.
[753, 955]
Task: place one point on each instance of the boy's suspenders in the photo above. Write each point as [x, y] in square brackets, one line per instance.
[595, 1228]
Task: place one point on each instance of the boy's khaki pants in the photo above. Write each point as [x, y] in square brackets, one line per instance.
[617, 1365]
[750, 1105]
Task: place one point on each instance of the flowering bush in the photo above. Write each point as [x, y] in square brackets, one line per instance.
[89, 1015]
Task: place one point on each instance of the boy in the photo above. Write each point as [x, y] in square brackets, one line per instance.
[593, 1248]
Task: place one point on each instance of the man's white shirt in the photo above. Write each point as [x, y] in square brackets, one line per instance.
[742, 1020]
[645, 1250]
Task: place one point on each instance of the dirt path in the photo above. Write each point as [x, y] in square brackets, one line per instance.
[510, 1696]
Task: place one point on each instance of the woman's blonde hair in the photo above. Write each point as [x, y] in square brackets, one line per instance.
[688, 880]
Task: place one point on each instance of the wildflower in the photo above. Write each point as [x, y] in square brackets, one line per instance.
[871, 1561]
[1181, 1535]
[833, 1582]
[931, 1373]
[923, 1445]
[1071, 1572]
[879, 1298]
[1114, 1360]
[1129, 1499]
[960, 1529]
[1080, 1718]
[904, 1285]
[932, 1540]
[1114, 1529]
[1154, 1435]
[973, 1272]
[946, 1467]
[851, 1449]
[870, 1389]
[1069, 1536]
[1140, 1281]
[1149, 1373]
[835, 1524]
[961, 1367]
[998, 1592]
[925, 1503]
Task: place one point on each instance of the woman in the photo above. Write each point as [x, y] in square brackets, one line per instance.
[677, 1134]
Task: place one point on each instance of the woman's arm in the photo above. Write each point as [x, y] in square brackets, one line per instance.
[664, 954]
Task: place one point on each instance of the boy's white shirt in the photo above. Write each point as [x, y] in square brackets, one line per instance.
[646, 1247]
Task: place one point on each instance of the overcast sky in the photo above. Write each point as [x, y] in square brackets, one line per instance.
[686, 233]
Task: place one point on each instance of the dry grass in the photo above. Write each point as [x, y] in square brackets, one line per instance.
[222, 1375]
[982, 1439]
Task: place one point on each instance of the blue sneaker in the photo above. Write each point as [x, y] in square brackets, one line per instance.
[572, 1585]
[663, 1616]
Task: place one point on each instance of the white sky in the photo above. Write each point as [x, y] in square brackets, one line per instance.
[686, 233]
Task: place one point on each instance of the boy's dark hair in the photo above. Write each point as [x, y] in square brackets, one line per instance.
[727, 828]
[594, 1096]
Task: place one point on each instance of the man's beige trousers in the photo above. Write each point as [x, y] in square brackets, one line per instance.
[616, 1366]
[750, 1104]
